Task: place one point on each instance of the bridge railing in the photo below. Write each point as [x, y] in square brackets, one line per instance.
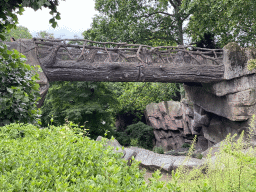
[82, 50]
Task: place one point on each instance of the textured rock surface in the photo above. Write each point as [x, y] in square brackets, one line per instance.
[238, 106]
[175, 123]
[232, 86]
[129, 153]
[235, 60]
[151, 160]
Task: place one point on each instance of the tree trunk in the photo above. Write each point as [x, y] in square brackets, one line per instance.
[132, 72]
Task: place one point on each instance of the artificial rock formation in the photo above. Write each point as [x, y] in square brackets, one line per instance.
[150, 160]
[175, 123]
[210, 110]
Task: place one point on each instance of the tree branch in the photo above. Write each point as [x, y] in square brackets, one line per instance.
[173, 4]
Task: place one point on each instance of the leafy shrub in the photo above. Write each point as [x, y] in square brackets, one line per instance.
[185, 145]
[56, 159]
[19, 91]
[123, 138]
[134, 142]
[159, 150]
[198, 156]
[84, 103]
[251, 64]
[232, 169]
[143, 133]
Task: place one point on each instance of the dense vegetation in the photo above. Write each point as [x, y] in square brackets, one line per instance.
[19, 32]
[63, 159]
[19, 91]
[56, 159]
[90, 104]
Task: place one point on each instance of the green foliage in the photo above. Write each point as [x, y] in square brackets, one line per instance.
[145, 22]
[18, 32]
[185, 145]
[251, 64]
[228, 20]
[19, 91]
[56, 159]
[44, 35]
[142, 133]
[232, 169]
[159, 150]
[134, 142]
[134, 97]
[10, 8]
[199, 156]
[123, 138]
[86, 103]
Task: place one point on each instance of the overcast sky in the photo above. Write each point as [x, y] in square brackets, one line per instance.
[76, 17]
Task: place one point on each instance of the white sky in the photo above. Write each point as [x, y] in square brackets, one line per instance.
[76, 17]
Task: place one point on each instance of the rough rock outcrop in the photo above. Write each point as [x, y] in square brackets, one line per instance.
[211, 110]
[167, 163]
[175, 123]
[152, 161]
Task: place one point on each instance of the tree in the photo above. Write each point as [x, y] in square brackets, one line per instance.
[19, 91]
[145, 22]
[19, 32]
[8, 12]
[228, 20]
[45, 35]
[134, 97]
[89, 104]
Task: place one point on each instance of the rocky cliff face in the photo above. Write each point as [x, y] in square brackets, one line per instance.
[210, 110]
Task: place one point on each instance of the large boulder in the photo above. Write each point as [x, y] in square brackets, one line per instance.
[239, 106]
[166, 163]
[235, 60]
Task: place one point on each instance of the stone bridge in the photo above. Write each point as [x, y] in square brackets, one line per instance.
[220, 90]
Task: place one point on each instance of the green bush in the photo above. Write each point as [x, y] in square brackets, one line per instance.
[84, 103]
[232, 169]
[185, 145]
[134, 142]
[19, 91]
[251, 64]
[143, 133]
[159, 150]
[56, 159]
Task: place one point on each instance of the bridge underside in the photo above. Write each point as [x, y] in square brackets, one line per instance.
[132, 72]
[84, 60]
